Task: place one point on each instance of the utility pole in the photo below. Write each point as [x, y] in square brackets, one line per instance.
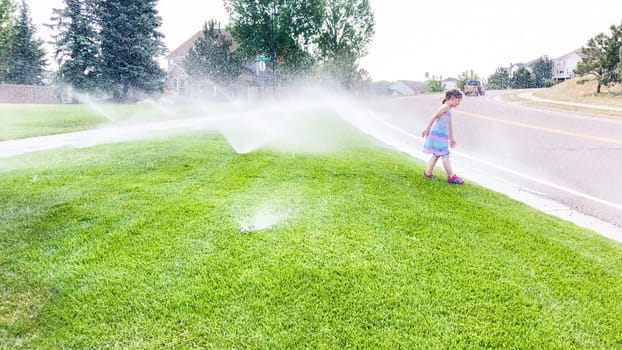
[273, 58]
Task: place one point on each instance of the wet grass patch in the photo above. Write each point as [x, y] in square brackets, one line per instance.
[143, 245]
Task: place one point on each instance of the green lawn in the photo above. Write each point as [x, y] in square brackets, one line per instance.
[19, 121]
[145, 245]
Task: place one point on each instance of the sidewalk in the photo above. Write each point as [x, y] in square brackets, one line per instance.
[528, 95]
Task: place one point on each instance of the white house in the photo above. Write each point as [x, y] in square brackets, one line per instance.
[564, 66]
[450, 83]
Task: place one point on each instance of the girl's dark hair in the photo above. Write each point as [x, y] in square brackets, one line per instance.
[452, 93]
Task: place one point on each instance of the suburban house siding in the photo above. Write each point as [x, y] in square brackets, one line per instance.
[178, 80]
[564, 66]
[176, 77]
[450, 83]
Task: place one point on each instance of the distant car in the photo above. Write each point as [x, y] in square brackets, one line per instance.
[473, 88]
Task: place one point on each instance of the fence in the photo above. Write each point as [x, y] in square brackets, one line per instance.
[28, 94]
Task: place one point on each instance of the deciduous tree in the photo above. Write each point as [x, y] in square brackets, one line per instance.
[602, 58]
[331, 35]
[347, 30]
[434, 85]
[294, 24]
[466, 76]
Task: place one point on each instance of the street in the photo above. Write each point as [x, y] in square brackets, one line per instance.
[570, 158]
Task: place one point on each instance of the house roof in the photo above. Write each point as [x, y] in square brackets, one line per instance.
[407, 87]
[183, 49]
[177, 71]
[380, 89]
[416, 86]
[577, 52]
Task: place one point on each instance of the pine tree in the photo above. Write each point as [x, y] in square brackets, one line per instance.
[521, 79]
[542, 71]
[211, 59]
[26, 63]
[6, 33]
[602, 58]
[499, 80]
[130, 44]
[77, 45]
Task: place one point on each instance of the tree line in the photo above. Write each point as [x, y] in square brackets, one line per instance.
[539, 76]
[22, 58]
[299, 39]
[101, 46]
[111, 47]
[601, 60]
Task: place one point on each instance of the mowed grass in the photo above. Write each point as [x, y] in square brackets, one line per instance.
[142, 246]
[19, 121]
[578, 90]
[583, 90]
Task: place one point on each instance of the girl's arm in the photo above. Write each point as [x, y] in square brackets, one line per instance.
[444, 108]
[452, 142]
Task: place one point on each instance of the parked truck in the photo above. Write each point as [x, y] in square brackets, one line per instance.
[473, 88]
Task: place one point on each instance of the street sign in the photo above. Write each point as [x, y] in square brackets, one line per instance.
[262, 59]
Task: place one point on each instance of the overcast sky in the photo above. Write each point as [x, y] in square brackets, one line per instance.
[443, 38]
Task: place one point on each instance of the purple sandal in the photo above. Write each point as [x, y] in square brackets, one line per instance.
[454, 179]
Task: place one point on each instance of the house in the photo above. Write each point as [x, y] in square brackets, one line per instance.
[450, 83]
[176, 76]
[564, 66]
[177, 79]
[407, 87]
[515, 67]
[380, 89]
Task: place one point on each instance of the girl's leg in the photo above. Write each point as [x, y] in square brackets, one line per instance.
[431, 163]
[451, 177]
[447, 166]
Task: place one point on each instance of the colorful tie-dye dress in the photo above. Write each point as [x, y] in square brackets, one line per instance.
[437, 142]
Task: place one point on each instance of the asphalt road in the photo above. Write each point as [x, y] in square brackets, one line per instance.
[570, 158]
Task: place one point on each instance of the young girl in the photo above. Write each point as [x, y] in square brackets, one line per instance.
[439, 136]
